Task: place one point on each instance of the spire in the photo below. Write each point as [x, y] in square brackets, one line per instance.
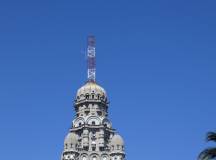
[91, 59]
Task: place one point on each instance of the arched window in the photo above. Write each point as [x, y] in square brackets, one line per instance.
[93, 148]
[93, 133]
[112, 147]
[102, 97]
[87, 96]
[99, 113]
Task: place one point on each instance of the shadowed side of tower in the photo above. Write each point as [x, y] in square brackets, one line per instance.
[91, 136]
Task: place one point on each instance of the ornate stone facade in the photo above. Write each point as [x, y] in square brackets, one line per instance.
[91, 136]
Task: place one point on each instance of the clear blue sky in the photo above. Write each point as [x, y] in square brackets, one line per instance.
[156, 59]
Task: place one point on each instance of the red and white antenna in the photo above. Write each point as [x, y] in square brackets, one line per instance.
[91, 59]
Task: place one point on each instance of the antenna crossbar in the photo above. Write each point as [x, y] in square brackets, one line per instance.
[91, 59]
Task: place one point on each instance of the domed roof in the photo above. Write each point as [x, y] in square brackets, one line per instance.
[91, 88]
[71, 138]
[117, 140]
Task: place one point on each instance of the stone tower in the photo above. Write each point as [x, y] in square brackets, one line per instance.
[91, 136]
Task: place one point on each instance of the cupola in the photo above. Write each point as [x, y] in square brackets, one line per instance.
[91, 91]
[71, 141]
[117, 143]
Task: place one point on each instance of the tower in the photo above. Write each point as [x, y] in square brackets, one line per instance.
[91, 136]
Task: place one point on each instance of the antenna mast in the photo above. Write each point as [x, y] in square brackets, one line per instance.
[91, 59]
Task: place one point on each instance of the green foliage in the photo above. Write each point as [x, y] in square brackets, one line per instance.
[209, 153]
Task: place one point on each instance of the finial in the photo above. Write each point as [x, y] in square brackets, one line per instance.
[91, 59]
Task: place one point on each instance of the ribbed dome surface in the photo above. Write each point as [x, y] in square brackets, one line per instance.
[91, 88]
[71, 138]
[117, 140]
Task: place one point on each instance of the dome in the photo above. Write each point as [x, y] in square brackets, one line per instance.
[117, 140]
[71, 138]
[91, 91]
